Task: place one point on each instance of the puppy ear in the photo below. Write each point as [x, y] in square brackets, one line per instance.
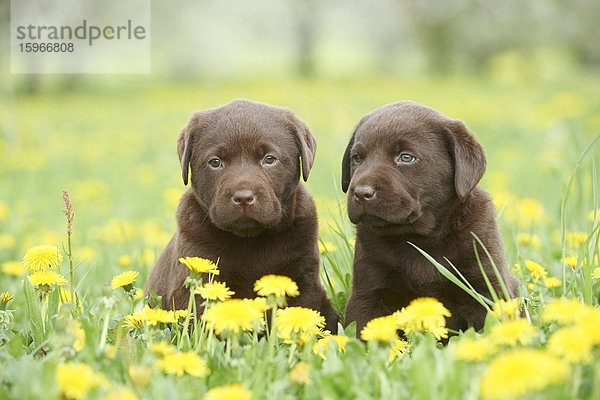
[346, 164]
[306, 142]
[346, 177]
[185, 143]
[469, 158]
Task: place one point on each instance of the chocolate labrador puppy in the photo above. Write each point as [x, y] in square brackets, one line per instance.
[246, 206]
[411, 176]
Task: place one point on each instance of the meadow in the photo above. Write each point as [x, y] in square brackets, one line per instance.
[112, 148]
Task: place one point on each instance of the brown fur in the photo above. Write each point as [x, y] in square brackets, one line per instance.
[255, 218]
[433, 202]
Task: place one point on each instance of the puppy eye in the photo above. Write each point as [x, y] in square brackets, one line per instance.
[407, 158]
[356, 159]
[269, 159]
[215, 163]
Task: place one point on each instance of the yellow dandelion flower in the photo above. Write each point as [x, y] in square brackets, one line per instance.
[116, 231]
[154, 316]
[340, 341]
[424, 314]
[199, 265]
[517, 268]
[110, 351]
[596, 273]
[5, 297]
[13, 268]
[42, 258]
[75, 380]
[563, 311]
[139, 294]
[513, 332]
[7, 241]
[530, 212]
[229, 392]
[180, 314]
[234, 315]
[86, 253]
[162, 348]
[172, 195]
[323, 344]
[121, 393]
[77, 332]
[506, 309]
[590, 216]
[573, 344]
[474, 349]
[124, 280]
[399, 348]
[131, 321]
[571, 261]
[260, 303]
[276, 285]
[148, 256]
[552, 282]
[326, 247]
[536, 270]
[181, 363]
[575, 239]
[65, 297]
[528, 239]
[139, 375]
[300, 373]
[382, 329]
[4, 211]
[124, 261]
[47, 278]
[215, 291]
[298, 320]
[590, 322]
[519, 372]
[303, 338]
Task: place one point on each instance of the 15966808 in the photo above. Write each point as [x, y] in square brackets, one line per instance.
[46, 47]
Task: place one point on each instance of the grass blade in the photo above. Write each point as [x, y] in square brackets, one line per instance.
[483, 298]
[450, 276]
[563, 209]
[487, 281]
[494, 267]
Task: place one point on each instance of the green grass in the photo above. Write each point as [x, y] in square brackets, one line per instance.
[113, 149]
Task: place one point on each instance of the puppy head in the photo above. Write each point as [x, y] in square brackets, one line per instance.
[244, 163]
[406, 165]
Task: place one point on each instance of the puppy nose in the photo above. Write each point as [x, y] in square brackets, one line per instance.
[243, 198]
[363, 193]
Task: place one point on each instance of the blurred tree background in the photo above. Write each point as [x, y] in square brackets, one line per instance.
[216, 39]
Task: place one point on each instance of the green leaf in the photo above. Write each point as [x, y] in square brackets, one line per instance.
[34, 313]
[15, 346]
[350, 330]
[155, 298]
[53, 301]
